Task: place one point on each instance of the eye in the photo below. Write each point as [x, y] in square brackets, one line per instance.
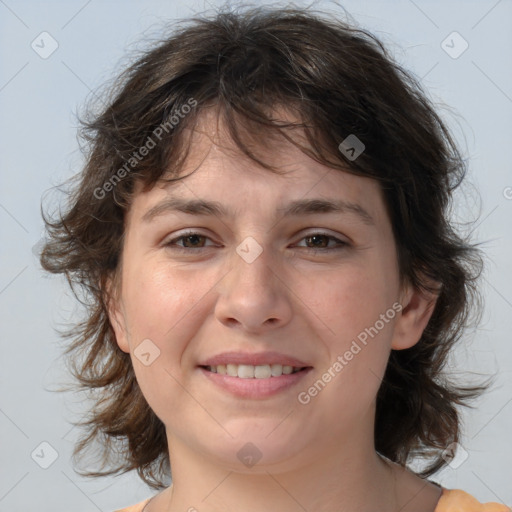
[320, 242]
[190, 239]
[193, 240]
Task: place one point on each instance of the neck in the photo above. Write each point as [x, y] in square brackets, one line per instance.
[347, 479]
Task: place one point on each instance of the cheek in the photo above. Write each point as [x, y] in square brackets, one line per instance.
[158, 302]
[349, 300]
[357, 343]
[161, 308]
[356, 317]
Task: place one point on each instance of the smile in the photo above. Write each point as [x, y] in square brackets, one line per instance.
[249, 371]
[256, 382]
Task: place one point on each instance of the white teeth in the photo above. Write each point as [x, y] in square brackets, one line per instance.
[232, 370]
[248, 371]
[262, 372]
[276, 370]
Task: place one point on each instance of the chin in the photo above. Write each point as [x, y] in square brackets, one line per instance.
[255, 448]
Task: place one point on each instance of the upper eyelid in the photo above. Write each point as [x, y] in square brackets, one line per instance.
[186, 233]
[318, 231]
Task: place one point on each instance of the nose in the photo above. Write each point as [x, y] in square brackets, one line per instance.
[253, 296]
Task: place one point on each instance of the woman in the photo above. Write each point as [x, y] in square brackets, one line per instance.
[273, 281]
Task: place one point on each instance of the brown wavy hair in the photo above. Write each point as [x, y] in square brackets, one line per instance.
[340, 80]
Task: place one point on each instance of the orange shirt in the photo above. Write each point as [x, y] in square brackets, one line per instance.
[452, 500]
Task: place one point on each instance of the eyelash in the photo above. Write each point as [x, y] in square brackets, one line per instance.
[341, 244]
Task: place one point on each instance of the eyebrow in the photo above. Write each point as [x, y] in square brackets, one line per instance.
[297, 207]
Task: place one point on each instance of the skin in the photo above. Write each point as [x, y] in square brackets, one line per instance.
[193, 305]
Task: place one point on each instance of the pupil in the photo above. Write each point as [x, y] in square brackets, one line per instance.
[317, 237]
[193, 237]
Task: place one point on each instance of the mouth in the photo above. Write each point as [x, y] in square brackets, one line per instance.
[249, 371]
[254, 382]
[253, 375]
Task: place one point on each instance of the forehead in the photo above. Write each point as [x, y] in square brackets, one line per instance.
[217, 169]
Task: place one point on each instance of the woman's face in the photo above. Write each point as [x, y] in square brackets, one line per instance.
[272, 277]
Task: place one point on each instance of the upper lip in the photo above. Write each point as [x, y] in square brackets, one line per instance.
[254, 359]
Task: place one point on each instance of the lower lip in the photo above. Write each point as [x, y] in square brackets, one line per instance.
[255, 388]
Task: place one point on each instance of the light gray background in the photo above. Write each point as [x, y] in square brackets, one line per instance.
[38, 149]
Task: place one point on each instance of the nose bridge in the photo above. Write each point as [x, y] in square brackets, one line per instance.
[253, 266]
[251, 292]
